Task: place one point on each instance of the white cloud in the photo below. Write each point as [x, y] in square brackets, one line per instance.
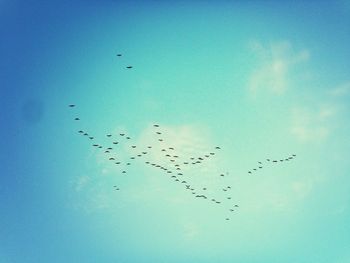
[312, 126]
[275, 63]
[341, 90]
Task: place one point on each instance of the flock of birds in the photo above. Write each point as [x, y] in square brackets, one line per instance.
[171, 162]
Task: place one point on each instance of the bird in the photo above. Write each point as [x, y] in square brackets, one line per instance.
[249, 172]
[109, 135]
[115, 142]
[91, 138]
[204, 188]
[158, 132]
[171, 148]
[155, 125]
[95, 145]
[81, 131]
[133, 146]
[128, 67]
[77, 119]
[294, 155]
[111, 159]
[123, 172]
[119, 55]
[212, 153]
[268, 160]
[121, 134]
[227, 218]
[260, 167]
[217, 147]
[236, 205]
[71, 105]
[128, 138]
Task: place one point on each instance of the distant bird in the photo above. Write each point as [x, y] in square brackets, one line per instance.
[260, 167]
[71, 105]
[109, 135]
[229, 198]
[227, 218]
[236, 205]
[171, 148]
[115, 142]
[294, 155]
[123, 172]
[232, 210]
[77, 119]
[121, 134]
[260, 162]
[133, 146]
[128, 163]
[159, 133]
[109, 148]
[128, 67]
[95, 145]
[119, 55]
[160, 140]
[128, 138]
[156, 125]
[149, 147]
[163, 150]
[144, 152]
[249, 172]
[204, 188]
[117, 163]
[212, 153]
[91, 138]
[81, 131]
[217, 147]
[275, 161]
[111, 159]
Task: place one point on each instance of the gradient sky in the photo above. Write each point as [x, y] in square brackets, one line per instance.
[260, 79]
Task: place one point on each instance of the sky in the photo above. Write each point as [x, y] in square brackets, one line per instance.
[260, 79]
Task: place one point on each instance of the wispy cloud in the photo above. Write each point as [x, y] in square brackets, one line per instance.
[311, 126]
[341, 90]
[275, 62]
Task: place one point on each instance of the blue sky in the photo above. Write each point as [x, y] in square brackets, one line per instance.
[260, 80]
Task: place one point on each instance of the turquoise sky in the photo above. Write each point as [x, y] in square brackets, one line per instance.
[259, 79]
